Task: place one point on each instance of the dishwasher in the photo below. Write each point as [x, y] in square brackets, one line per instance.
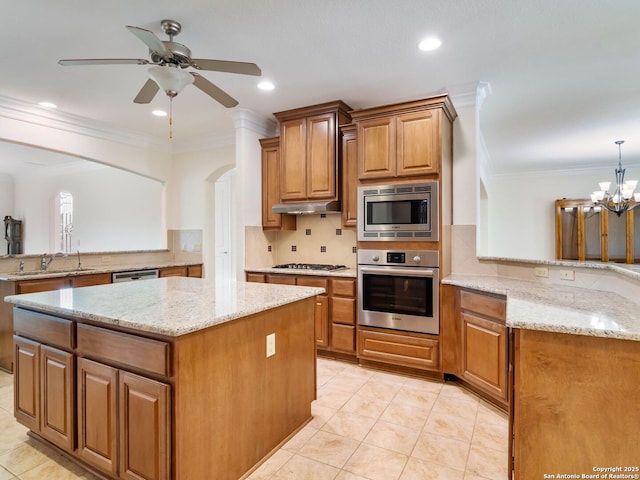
[133, 275]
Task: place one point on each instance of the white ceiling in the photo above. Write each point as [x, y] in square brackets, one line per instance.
[564, 74]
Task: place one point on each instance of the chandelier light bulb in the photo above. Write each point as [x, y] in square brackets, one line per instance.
[604, 186]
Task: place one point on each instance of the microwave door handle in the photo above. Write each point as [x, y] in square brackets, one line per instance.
[411, 272]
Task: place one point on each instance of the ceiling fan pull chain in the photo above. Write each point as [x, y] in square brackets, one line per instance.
[170, 118]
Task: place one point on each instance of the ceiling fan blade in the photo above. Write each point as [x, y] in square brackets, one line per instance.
[243, 68]
[103, 61]
[214, 92]
[147, 92]
[153, 42]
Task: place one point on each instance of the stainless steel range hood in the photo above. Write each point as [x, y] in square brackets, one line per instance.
[301, 208]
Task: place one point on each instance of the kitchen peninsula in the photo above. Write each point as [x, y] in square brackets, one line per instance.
[576, 367]
[167, 378]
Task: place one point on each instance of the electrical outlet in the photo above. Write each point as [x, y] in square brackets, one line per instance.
[542, 272]
[567, 275]
[271, 345]
[106, 259]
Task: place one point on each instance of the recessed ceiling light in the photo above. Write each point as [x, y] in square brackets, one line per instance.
[429, 44]
[159, 113]
[48, 105]
[265, 85]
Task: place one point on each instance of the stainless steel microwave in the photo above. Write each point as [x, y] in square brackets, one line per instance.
[400, 212]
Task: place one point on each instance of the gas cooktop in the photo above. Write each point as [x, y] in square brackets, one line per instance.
[311, 266]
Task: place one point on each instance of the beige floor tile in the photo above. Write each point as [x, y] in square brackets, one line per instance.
[392, 437]
[350, 425]
[424, 384]
[489, 414]
[470, 476]
[332, 396]
[417, 396]
[6, 475]
[25, 457]
[300, 438]
[488, 463]
[442, 450]
[269, 467]
[6, 398]
[12, 437]
[495, 437]
[460, 407]
[383, 391]
[450, 389]
[5, 379]
[376, 463]
[367, 406]
[301, 468]
[55, 470]
[417, 469]
[344, 475]
[329, 448]
[451, 426]
[321, 414]
[405, 414]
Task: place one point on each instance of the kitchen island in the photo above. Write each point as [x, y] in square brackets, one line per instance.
[576, 371]
[167, 378]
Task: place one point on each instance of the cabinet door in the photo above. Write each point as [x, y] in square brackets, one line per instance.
[57, 399]
[349, 177]
[144, 428]
[172, 272]
[26, 400]
[484, 351]
[322, 321]
[417, 143]
[97, 424]
[321, 156]
[293, 172]
[376, 148]
[343, 310]
[343, 338]
[271, 187]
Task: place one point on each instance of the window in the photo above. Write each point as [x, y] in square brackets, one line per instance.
[64, 221]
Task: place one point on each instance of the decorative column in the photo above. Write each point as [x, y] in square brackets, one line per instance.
[249, 128]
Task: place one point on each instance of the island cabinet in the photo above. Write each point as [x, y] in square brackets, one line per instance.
[309, 153]
[133, 404]
[404, 140]
[476, 341]
[271, 187]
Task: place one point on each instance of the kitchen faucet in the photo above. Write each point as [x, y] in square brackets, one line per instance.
[44, 263]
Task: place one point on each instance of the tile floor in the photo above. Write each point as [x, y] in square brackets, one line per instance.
[367, 425]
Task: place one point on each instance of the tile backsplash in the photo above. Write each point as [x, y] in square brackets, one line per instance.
[318, 239]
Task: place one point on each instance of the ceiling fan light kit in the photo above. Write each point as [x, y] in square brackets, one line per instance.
[170, 80]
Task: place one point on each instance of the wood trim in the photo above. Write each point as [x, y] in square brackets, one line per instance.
[438, 101]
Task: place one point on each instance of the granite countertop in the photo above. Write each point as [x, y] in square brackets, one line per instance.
[170, 306]
[557, 308]
[71, 272]
[347, 272]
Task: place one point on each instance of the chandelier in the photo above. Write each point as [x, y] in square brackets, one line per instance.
[623, 197]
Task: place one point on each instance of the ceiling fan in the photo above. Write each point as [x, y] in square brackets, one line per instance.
[169, 59]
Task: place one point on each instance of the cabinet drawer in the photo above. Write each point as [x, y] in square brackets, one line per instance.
[343, 288]
[403, 350]
[343, 310]
[256, 277]
[282, 279]
[314, 282]
[54, 331]
[483, 304]
[123, 349]
[343, 338]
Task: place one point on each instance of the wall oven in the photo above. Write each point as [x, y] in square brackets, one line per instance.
[399, 290]
[406, 212]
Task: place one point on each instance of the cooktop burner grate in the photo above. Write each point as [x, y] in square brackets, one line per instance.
[311, 266]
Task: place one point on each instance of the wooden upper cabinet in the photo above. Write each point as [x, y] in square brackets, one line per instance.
[349, 176]
[309, 155]
[404, 140]
[271, 187]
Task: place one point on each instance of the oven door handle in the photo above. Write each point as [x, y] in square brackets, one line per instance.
[410, 272]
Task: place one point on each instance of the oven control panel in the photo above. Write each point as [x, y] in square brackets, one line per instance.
[412, 258]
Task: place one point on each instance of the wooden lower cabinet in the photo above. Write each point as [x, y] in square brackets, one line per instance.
[399, 348]
[123, 422]
[43, 392]
[335, 311]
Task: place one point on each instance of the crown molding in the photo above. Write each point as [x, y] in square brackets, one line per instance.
[26, 112]
[245, 118]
